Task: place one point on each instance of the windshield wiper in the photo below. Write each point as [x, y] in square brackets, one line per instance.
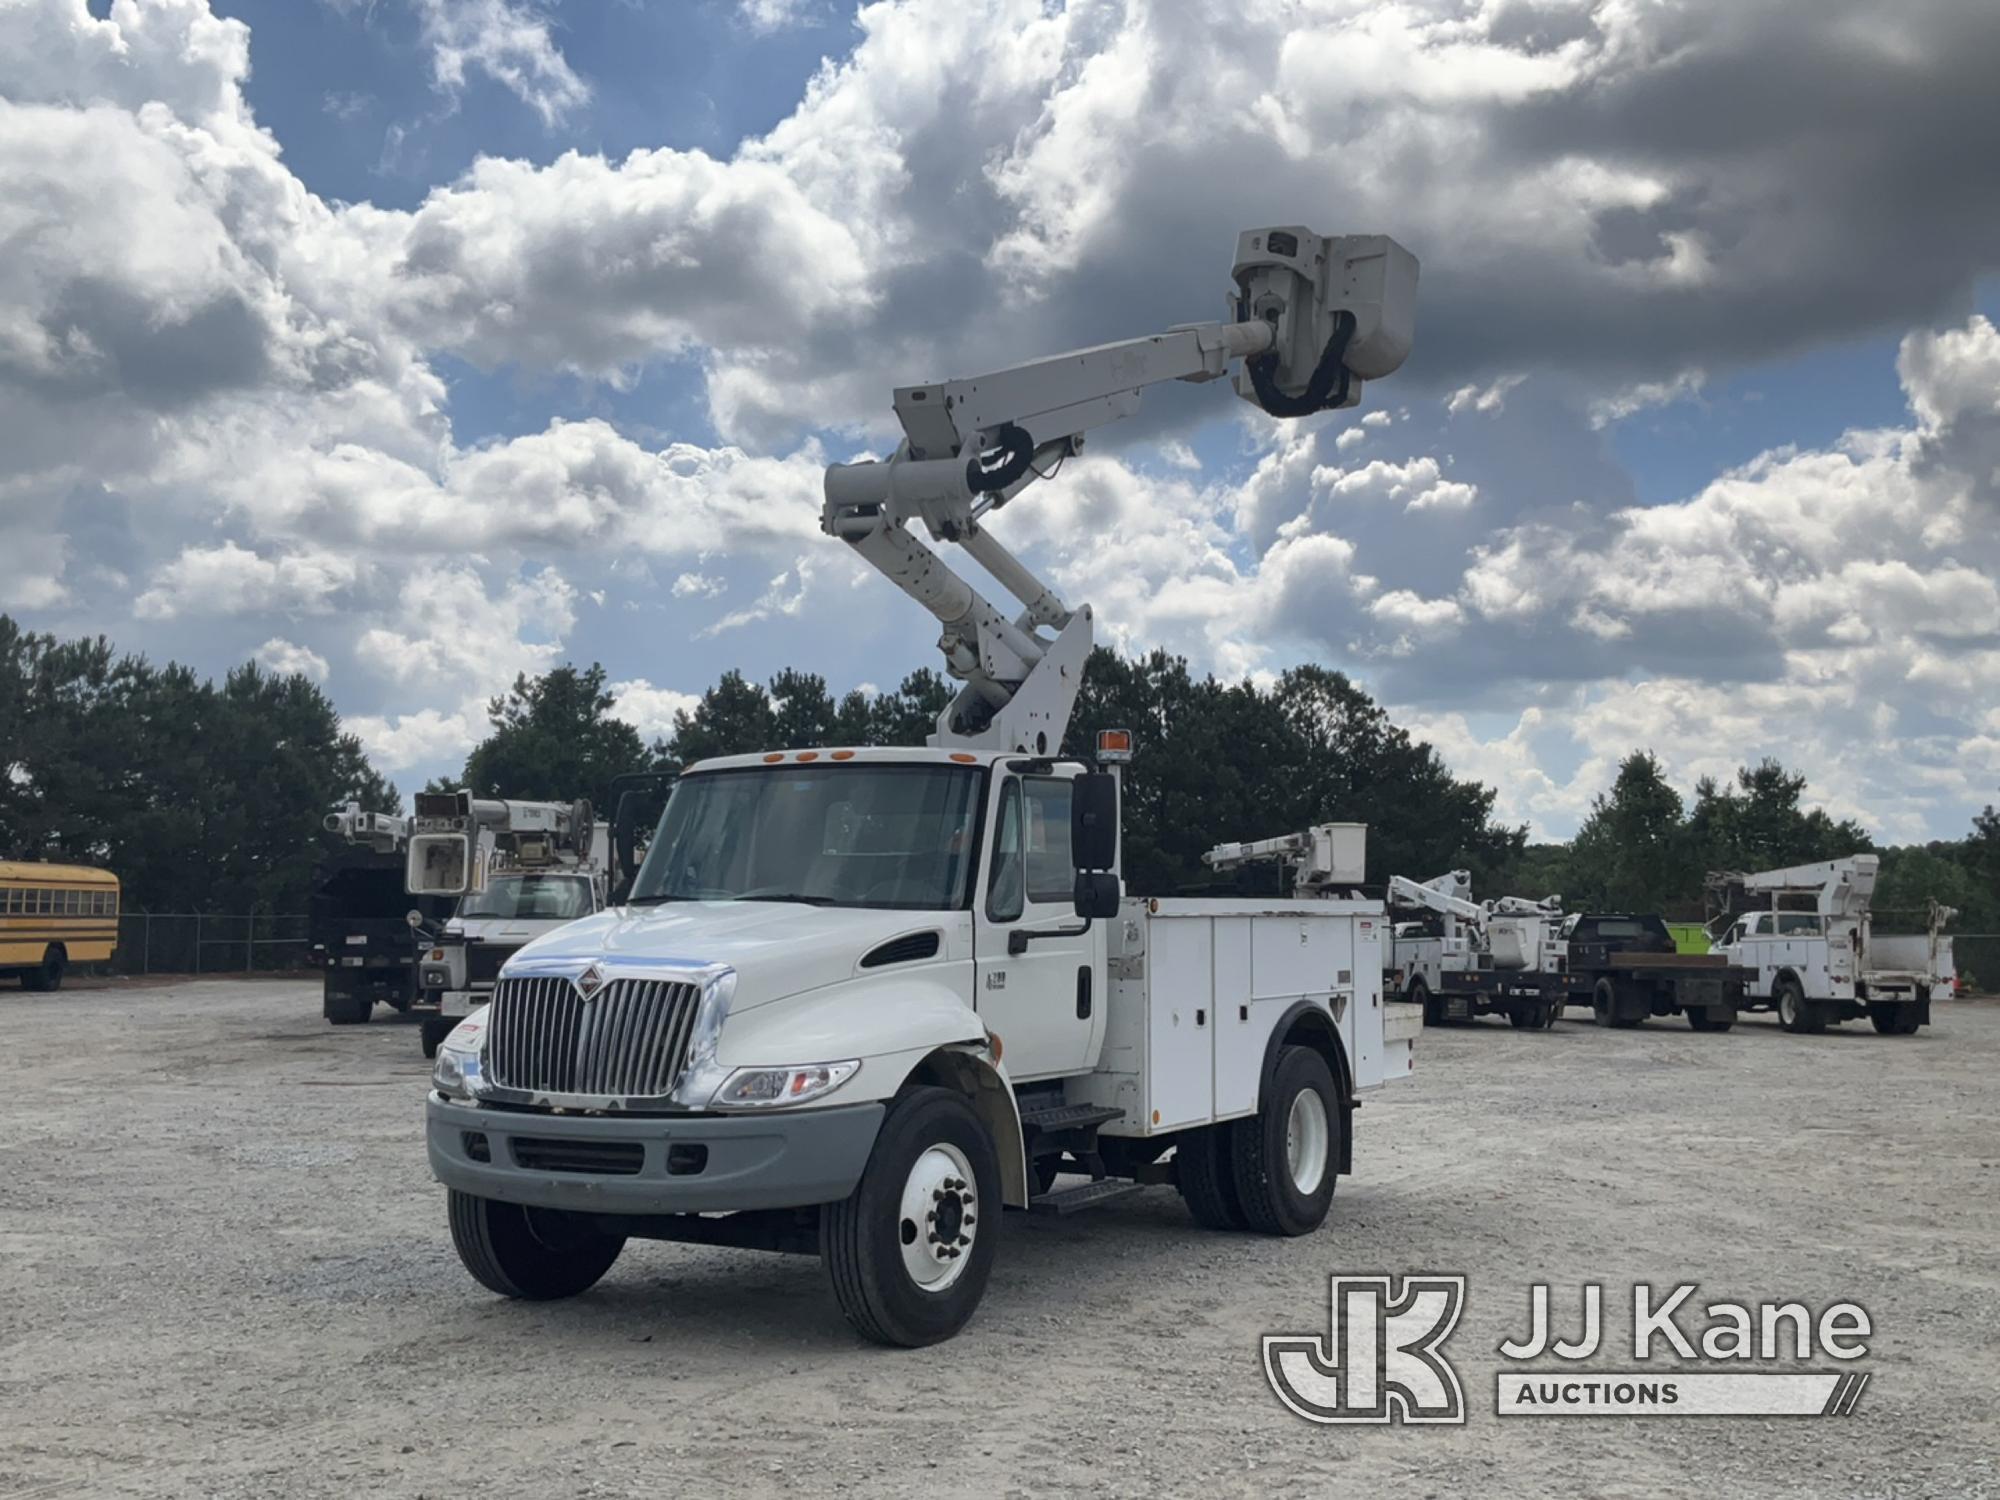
[802, 900]
[656, 898]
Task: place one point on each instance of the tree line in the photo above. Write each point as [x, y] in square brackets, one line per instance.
[208, 795]
[201, 796]
[1643, 848]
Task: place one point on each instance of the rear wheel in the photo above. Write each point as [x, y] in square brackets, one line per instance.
[1711, 1018]
[348, 1010]
[1532, 1017]
[1207, 1177]
[1795, 1013]
[910, 1249]
[1420, 994]
[535, 1254]
[1894, 1020]
[1285, 1157]
[47, 976]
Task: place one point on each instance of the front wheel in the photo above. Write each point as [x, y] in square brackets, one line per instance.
[1285, 1157]
[910, 1249]
[435, 1029]
[535, 1254]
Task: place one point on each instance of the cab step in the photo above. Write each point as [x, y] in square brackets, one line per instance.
[1069, 1117]
[1066, 1201]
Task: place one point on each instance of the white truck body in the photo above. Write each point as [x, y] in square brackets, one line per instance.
[1463, 960]
[512, 909]
[1827, 964]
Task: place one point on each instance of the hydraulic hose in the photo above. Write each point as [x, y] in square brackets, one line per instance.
[1327, 387]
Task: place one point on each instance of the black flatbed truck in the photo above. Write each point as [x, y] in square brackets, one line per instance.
[1627, 969]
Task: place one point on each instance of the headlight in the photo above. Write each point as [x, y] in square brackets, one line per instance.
[752, 1088]
[457, 1073]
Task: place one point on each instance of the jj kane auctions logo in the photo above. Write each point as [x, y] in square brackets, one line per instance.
[1382, 1360]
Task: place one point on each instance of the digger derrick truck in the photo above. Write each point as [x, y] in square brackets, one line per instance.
[859, 1001]
[1806, 937]
[1458, 959]
[515, 870]
[358, 934]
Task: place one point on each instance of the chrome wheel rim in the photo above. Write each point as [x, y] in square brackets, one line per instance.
[1788, 1008]
[939, 1219]
[1306, 1141]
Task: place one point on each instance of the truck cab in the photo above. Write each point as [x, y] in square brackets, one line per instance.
[487, 927]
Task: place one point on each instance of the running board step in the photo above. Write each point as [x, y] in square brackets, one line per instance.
[1069, 1117]
[1076, 1199]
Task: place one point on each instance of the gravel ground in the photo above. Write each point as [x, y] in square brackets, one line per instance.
[224, 1271]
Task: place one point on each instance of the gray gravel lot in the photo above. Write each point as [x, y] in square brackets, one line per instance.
[224, 1271]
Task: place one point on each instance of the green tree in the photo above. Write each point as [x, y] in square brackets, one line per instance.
[1633, 851]
[1758, 824]
[554, 739]
[201, 797]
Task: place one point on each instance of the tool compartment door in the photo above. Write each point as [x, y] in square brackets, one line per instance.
[1180, 1021]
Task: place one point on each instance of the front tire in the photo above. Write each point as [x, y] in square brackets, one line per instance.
[534, 1254]
[1206, 1176]
[909, 1251]
[1797, 1014]
[1285, 1158]
[435, 1029]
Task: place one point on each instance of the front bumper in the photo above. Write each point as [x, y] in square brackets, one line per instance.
[790, 1159]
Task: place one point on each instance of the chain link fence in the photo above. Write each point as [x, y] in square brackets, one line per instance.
[209, 943]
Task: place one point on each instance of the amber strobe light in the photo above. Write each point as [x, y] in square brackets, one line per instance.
[1114, 745]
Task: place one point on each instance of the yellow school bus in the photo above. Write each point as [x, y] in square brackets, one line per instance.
[52, 916]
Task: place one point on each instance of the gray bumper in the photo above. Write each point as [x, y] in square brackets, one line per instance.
[787, 1160]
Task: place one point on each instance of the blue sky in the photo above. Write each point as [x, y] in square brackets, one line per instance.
[413, 343]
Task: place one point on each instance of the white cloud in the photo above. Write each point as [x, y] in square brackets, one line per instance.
[766, 16]
[1634, 399]
[286, 658]
[232, 580]
[1485, 401]
[508, 40]
[650, 709]
[1419, 484]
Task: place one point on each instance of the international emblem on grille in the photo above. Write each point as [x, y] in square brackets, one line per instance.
[590, 981]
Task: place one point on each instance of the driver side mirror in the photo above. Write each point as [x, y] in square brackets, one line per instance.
[1093, 821]
[1097, 895]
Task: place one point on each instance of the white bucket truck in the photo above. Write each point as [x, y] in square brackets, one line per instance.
[519, 871]
[1807, 934]
[861, 1000]
[1462, 959]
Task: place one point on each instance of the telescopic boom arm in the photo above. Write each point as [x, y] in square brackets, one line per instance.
[1311, 318]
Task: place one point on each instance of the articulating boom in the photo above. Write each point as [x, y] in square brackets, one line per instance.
[1311, 318]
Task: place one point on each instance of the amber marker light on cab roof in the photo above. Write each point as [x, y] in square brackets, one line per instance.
[842, 755]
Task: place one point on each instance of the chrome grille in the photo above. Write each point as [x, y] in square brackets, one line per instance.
[628, 1041]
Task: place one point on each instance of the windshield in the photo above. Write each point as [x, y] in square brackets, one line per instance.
[896, 836]
[532, 898]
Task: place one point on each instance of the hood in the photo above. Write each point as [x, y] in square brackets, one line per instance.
[777, 948]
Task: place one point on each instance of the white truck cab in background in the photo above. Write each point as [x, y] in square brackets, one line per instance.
[860, 1000]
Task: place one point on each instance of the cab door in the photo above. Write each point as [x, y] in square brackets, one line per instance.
[1040, 980]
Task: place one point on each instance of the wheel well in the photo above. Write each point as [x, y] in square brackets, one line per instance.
[1784, 977]
[986, 1089]
[56, 951]
[1308, 1025]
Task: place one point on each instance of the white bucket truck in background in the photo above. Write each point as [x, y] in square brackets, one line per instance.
[519, 870]
[860, 1000]
[1808, 934]
[1462, 959]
